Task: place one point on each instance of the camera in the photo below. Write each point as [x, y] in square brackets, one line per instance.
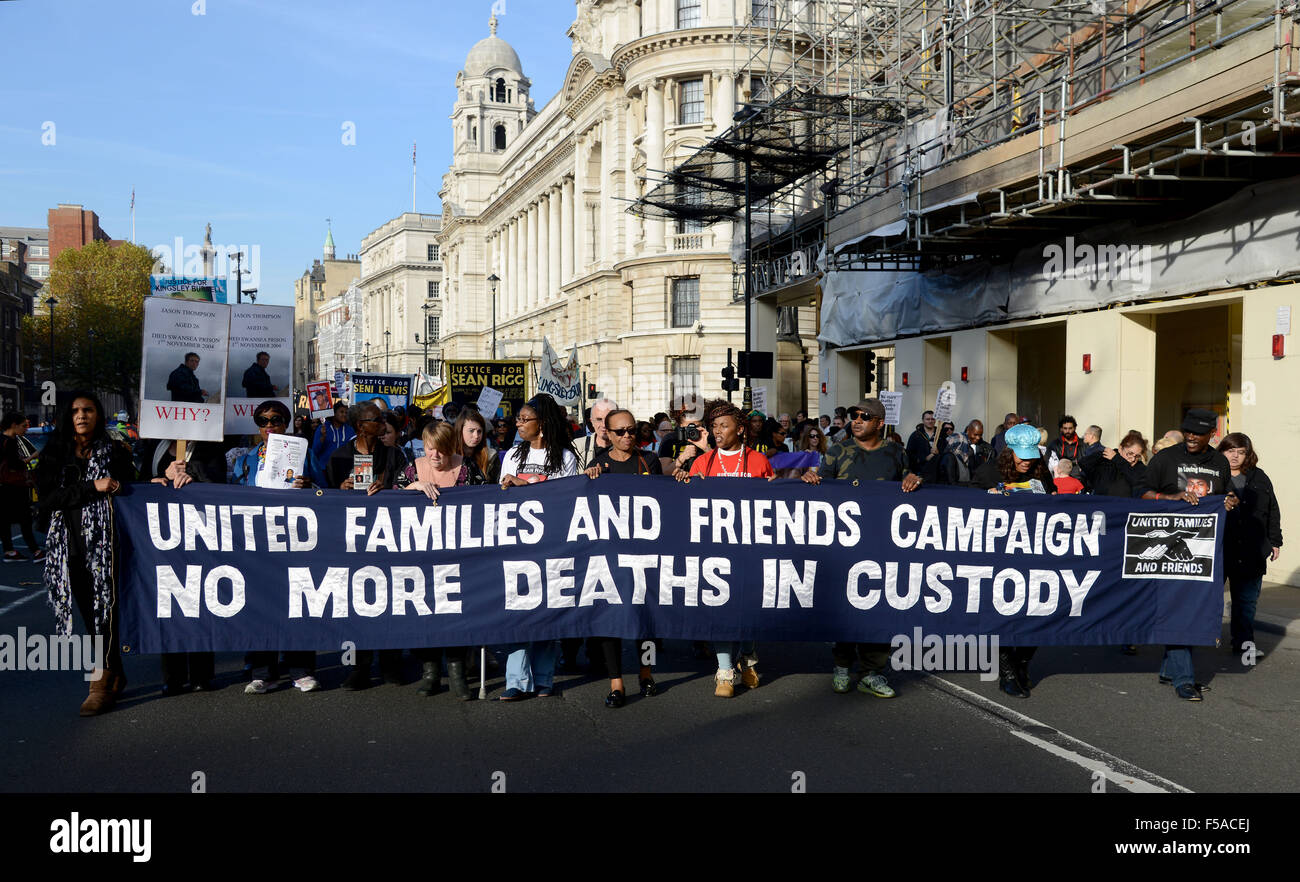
[687, 433]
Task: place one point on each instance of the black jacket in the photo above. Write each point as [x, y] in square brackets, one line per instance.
[257, 382]
[1112, 477]
[62, 485]
[953, 471]
[1254, 527]
[919, 446]
[184, 385]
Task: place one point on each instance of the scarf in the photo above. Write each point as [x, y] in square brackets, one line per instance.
[97, 528]
[959, 447]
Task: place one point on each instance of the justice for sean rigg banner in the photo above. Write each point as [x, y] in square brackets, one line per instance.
[211, 567]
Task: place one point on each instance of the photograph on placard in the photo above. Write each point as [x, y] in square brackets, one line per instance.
[183, 369]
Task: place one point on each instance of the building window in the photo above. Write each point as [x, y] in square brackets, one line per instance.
[433, 289]
[688, 13]
[684, 376]
[763, 12]
[434, 326]
[435, 367]
[432, 252]
[759, 91]
[686, 302]
[500, 96]
[692, 102]
[499, 137]
[691, 196]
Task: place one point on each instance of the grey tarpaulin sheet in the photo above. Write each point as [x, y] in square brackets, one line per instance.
[1250, 237]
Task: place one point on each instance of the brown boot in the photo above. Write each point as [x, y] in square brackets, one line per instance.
[101, 697]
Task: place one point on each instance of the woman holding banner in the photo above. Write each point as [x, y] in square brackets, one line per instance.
[544, 451]
[272, 418]
[442, 466]
[79, 470]
[622, 457]
[1019, 468]
[730, 458]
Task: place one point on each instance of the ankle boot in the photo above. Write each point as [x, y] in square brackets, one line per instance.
[101, 696]
[456, 679]
[1007, 675]
[1021, 670]
[431, 674]
[359, 678]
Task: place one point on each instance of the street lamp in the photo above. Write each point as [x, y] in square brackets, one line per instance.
[425, 341]
[492, 281]
[367, 356]
[90, 333]
[388, 364]
[51, 302]
[252, 295]
[239, 274]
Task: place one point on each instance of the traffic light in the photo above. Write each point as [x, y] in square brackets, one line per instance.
[869, 373]
[591, 390]
[729, 381]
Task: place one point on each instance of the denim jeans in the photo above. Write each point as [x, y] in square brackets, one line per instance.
[728, 652]
[1177, 665]
[530, 666]
[1245, 596]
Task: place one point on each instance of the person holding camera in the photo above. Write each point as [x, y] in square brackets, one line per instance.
[682, 445]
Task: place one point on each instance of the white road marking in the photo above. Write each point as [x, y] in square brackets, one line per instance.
[20, 602]
[1132, 778]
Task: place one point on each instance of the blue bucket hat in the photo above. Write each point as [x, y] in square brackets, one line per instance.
[1023, 441]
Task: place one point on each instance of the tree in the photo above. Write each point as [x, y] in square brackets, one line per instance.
[98, 320]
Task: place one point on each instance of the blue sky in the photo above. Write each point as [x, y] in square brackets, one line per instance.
[236, 116]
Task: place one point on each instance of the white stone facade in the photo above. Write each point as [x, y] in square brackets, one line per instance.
[402, 296]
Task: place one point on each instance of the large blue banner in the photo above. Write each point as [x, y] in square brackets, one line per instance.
[234, 568]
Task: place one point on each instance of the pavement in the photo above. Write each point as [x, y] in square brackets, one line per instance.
[1097, 718]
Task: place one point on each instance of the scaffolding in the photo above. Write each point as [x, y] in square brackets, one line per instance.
[966, 76]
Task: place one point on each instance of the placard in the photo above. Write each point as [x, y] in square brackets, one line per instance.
[758, 398]
[320, 400]
[945, 401]
[893, 402]
[393, 388]
[286, 456]
[467, 378]
[488, 401]
[183, 369]
[260, 364]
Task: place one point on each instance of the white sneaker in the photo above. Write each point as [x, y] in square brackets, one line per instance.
[257, 687]
[306, 684]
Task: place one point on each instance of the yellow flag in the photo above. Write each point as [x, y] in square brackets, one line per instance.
[441, 395]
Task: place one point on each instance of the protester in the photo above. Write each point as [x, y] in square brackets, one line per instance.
[1019, 468]
[1253, 537]
[1065, 484]
[981, 450]
[921, 448]
[391, 437]
[367, 461]
[646, 439]
[183, 671]
[257, 382]
[1117, 472]
[272, 418]
[15, 490]
[675, 453]
[544, 451]
[471, 430]
[442, 466]
[758, 437]
[731, 458]
[597, 439]
[999, 439]
[332, 434]
[865, 456]
[622, 458]
[183, 382]
[1187, 472]
[955, 464]
[79, 470]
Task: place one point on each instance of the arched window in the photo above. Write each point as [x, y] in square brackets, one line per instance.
[499, 137]
[501, 91]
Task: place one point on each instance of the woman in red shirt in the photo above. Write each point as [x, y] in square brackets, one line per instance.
[730, 458]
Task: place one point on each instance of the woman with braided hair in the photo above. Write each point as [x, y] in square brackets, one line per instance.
[545, 450]
[79, 471]
[730, 458]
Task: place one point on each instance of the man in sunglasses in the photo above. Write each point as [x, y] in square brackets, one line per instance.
[865, 455]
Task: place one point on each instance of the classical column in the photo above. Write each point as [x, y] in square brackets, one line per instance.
[553, 244]
[543, 249]
[566, 230]
[580, 239]
[654, 162]
[605, 220]
[512, 274]
[530, 294]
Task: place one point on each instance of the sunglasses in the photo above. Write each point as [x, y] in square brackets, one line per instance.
[273, 420]
[856, 415]
[621, 432]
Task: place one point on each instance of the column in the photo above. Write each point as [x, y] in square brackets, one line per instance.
[512, 269]
[580, 257]
[566, 230]
[604, 232]
[543, 249]
[530, 294]
[654, 163]
[553, 242]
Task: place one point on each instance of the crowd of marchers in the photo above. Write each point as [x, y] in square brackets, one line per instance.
[371, 447]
